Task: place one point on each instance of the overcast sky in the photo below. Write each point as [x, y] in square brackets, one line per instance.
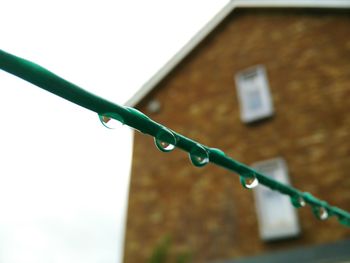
[63, 176]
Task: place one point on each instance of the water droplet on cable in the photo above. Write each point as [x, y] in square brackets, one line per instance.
[165, 140]
[298, 201]
[137, 112]
[111, 120]
[199, 156]
[250, 181]
[321, 212]
[344, 221]
[218, 151]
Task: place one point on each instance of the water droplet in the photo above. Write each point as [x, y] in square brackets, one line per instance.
[298, 201]
[111, 120]
[199, 155]
[344, 221]
[250, 181]
[165, 140]
[321, 212]
[137, 112]
[218, 151]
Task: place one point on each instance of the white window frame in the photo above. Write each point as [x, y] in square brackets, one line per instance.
[253, 94]
[277, 217]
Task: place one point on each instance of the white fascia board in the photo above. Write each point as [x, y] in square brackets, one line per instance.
[211, 25]
[293, 3]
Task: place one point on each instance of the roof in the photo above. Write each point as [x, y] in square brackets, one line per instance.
[211, 25]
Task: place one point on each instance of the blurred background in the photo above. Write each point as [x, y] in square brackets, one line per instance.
[269, 86]
[266, 85]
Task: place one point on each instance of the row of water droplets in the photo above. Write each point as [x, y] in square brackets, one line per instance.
[251, 181]
[166, 141]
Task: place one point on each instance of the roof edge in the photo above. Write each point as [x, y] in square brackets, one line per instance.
[213, 23]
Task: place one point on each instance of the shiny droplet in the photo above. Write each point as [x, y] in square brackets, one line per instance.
[199, 156]
[321, 213]
[298, 201]
[249, 182]
[137, 112]
[217, 151]
[165, 140]
[111, 120]
[344, 221]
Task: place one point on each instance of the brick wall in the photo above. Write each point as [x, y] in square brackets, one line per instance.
[205, 210]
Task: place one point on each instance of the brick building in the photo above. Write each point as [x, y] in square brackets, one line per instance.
[305, 57]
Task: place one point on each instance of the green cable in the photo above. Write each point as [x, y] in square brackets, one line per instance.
[166, 139]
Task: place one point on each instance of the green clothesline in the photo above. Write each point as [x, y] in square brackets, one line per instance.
[166, 139]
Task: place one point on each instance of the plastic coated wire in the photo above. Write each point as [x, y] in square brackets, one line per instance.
[47, 80]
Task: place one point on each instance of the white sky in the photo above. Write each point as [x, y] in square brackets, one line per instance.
[63, 176]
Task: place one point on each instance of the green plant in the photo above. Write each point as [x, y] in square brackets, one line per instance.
[161, 253]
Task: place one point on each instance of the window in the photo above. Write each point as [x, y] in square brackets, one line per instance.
[276, 216]
[253, 94]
